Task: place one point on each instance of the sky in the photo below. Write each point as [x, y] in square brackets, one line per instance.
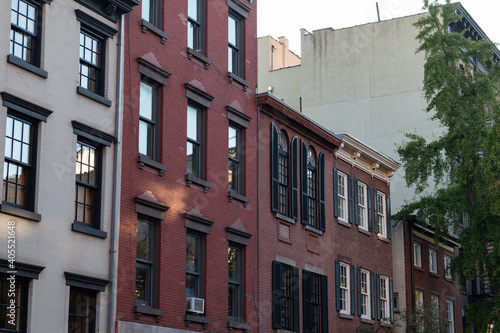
[286, 17]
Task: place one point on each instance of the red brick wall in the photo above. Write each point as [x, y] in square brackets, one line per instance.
[171, 189]
[338, 242]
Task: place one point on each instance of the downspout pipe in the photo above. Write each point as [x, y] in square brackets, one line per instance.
[115, 205]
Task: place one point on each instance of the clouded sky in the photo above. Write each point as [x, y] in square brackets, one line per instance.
[286, 17]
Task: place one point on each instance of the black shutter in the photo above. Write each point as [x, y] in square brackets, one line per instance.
[375, 211]
[294, 173]
[389, 221]
[360, 308]
[356, 202]
[295, 295]
[276, 294]
[274, 168]
[379, 313]
[324, 304]
[391, 299]
[335, 193]
[370, 210]
[337, 285]
[321, 188]
[303, 182]
[350, 195]
[306, 299]
[373, 292]
[353, 290]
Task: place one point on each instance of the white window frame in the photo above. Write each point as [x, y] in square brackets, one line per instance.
[381, 214]
[365, 295]
[447, 262]
[362, 206]
[384, 298]
[345, 287]
[450, 317]
[343, 199]
[419, 305]
[433, 261]
[435, 312]
[417, 254]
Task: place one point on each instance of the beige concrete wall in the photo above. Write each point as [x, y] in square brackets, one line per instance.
[51, 242]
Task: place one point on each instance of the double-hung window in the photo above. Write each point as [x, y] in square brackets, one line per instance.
[195, 141]
[344, 284]
[432, 261]
[313, 187]
[20, 298]
[235, 44]
[283, 177]
[364, 289]
[285, 297]
[450, 316]
[447, 263]
[315, 302]
[196, 31]
[82, 311]
[148, 120]
[419, 306]
[385, 297]
[345, 288]
[381, 214]
[194, 265]
[93, 35]
[145, 281]
[235, 150]
[417, 254]
[235, 279]
[362, 206]
[151, 12]
[342, 196]
[435, 312]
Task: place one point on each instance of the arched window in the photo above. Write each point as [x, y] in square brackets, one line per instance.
[311, 187]
[283, 196]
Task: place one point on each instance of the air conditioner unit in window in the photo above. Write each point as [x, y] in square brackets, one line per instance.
[195, 305]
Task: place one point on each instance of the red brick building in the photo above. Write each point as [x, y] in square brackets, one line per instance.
[188, 234]
[324, 226]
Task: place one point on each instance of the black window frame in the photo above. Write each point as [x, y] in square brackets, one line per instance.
[153, 137]
[237, 176]
[239, 284]
[315, 302]
[155, 9]
[285, 299]
[198, 37]
[235, 61]
[312, 188]
[283, 173]
[91, 309]
[151, 282]
[199, 159]
[199, 274]
[21, 309]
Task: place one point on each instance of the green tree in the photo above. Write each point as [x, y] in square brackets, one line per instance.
[464, 162]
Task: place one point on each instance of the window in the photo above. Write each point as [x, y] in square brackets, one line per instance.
[235, 172]
[419, 306]
[380, 214]
[435, 312]
[19, 163]
[285, 297]
[195, 147]
[364, 292]
[362, 206]
[235, 278]
[21, 304]
[235, 44]
[447, 263]
[145, 276]
[315, 302]
[342, 196]
[88, 165]
[151, 12]
[417, 254]
[432, 261]
[344, 288]
[283, 191]
[148, 120]
[450, 316]
[82, 311]
[93, 34]
[385, 296]
[311, 187]
[196, 31]
[194, 265]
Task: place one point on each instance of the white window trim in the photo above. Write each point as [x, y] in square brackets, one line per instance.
[450, 319]
[384, 280]
[435, 312]
[347, 288]
[382, 229]
[433, 261]
[363, 205]
[343, 207]
[367, 293]
[417, 254]
[447, 262]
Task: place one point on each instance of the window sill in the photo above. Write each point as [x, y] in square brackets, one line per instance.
[145, 160]
[448, 279]
[190, 179]
[198, 55]
[92, 95]
[364, 231]
[313, 229]
[418, 268]
[88, 230]
[367, 321]
[27, 66]
[157, 31]
[346, 316]
[9, 209]
[238, 326]
[384, 324]
[146, 310]
[343, 223]
[233, 195]
[382, 238]
[434, 274]
[284, 218]
[233, 77]
[189, 318]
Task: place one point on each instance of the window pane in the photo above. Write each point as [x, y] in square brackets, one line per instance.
[142, 282]
[233, 300]
[233, 258]
[145, 138]
[146, 103]
[232, 25]
[192, 123]
[192, 253]
[191, 285]
[193, 9]
[232, 142]
[146, 10]
[143, 240]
